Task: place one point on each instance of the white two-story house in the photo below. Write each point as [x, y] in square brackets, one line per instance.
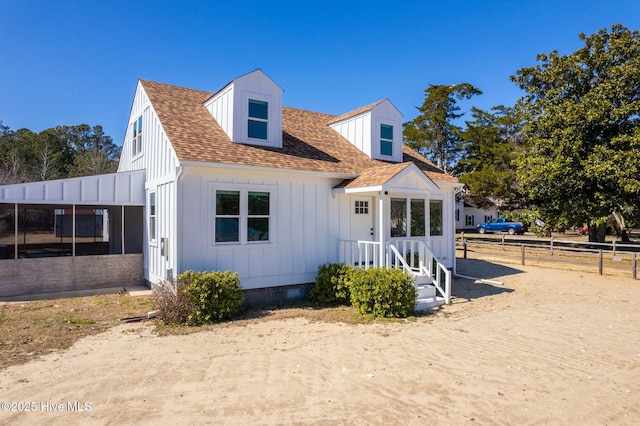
[234, 180]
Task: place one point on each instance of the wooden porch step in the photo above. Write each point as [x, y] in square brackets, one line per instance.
[425, 291]
[426, 303]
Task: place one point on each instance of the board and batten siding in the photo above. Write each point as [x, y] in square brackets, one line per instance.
[157, 157]
[160, 162]
[363, 130]
[356, 130]
[304, 227]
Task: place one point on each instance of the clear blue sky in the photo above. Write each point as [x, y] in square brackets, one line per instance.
[72, 62]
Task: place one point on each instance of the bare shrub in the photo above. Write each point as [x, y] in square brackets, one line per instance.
[173, 305]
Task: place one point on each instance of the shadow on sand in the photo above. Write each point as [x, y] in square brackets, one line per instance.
[467, 289]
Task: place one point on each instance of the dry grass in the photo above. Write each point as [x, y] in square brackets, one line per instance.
[32, 329]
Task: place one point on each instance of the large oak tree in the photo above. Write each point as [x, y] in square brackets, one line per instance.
[582, 132]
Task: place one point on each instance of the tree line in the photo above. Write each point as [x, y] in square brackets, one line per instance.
[55, 153]
[568, 151]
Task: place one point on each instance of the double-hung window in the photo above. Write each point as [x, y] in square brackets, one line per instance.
[152, 216]
[386, 140]
[227, 216]
[258, 123]
[137, 136]
[242, 216]
[258, 216]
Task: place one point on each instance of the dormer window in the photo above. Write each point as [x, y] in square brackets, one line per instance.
[386, 140]
[258, 123]
[374, 129]
[249, 110]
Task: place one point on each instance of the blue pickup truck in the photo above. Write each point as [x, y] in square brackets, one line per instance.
[501, 225]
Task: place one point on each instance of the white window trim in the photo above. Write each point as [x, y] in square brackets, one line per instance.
[381, 139]
[442, 218]
[153, 232]
[136, 141]
[272, 122]
[408, 199]
[244, 214]
[260, 120]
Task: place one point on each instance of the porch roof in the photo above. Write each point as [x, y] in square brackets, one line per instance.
[115, 189]
[375, 176]
[405, 177]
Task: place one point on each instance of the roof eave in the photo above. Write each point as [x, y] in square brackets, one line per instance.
[204, 164]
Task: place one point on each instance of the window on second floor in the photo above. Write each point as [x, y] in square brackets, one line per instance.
[258, 123]
[386, 140]
[137, 136]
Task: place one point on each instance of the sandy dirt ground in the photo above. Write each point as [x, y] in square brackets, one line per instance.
[547, 347]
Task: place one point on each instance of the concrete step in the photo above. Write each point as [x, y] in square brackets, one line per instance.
[426, 303]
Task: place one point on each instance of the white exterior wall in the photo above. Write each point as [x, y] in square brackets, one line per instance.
[221, 107]
[304, 230]
[356, 130]
[230, 108]
[159, 160]
[386, 113]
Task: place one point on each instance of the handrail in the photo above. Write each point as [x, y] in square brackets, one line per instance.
[366, 254]
[425, 261]
[399, 257]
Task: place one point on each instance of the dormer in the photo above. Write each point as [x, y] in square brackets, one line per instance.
[375, 129]
[249, 110]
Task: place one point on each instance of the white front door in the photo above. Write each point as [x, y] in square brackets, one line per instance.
[361, 219]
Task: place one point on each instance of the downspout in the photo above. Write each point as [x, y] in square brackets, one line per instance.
[73, 230]
[15, 214]
[178, 261]
[381, 216]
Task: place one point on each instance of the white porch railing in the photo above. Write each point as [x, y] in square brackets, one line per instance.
[413, 256]
[420, 261]
[361, 254]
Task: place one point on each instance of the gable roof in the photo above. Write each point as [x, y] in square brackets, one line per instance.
[308, 141]
[355, 112]
[374, 176]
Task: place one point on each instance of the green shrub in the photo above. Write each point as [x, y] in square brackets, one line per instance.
[383, 292]
[212, 296]
[332, 284]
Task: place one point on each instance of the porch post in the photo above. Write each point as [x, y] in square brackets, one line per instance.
[15, 217]
[381, 215]
[73, 230]
[122, 229]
